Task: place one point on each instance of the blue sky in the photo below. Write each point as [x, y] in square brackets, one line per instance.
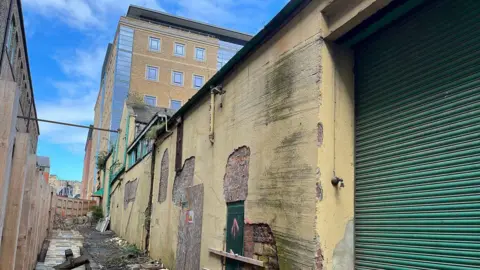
[66, 42]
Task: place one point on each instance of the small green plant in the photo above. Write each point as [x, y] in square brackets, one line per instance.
[152, 132]
[133, 250]
[102, 160]
[97, 212]
[135, 98]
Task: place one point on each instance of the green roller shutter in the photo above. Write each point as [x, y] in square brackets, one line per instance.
[417, 198]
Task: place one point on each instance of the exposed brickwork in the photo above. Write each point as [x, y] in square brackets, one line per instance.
[183, 179]
[319, 134]
[319, 191]
[259, 243]
[130, 192]
[319, 259]
[163, 183]
[235, 181]
[248, 244]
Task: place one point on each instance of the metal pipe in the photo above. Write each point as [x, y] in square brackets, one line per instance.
[211, 135]
[165, 117]
[67, 124]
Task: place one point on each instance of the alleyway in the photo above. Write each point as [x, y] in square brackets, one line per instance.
[105, 250]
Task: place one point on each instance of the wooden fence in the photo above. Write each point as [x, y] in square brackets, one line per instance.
[29, 205]
[67, 207]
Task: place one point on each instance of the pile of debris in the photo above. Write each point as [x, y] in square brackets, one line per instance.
[69, 223]
[152, 265]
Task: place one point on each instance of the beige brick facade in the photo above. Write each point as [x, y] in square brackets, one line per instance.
[166, 62]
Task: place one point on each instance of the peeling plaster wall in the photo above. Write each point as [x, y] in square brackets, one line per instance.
[163, 183]
[235, 181]
[165, 215]
[183, 179]
[335, 205]
[270, 106]
[116, 207]
[129, 222]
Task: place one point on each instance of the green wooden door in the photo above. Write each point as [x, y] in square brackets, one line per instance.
[417, 198]
[235, 229]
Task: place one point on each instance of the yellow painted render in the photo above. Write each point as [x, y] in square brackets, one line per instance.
[282, 141]
[165, 216]
[335, 209]
[130, 224]
[286, 161]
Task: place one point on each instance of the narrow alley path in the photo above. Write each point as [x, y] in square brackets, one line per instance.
[61, 240]
[105, 250]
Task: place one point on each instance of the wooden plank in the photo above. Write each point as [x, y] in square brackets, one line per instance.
[236, 257]
[8, 248]
[25, 216]
[53, 207]
[9, 101]
[31, 220]
[40, 234]
[32, 244]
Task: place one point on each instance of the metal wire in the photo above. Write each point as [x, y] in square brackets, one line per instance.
[67, 124]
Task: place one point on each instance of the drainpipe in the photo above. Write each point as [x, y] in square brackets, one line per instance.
[148, 212]
[213, 91]
[126, 141]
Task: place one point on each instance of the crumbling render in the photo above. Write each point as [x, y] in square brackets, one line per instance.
[163, 183]
[183, 179]
[235, 181]
[130, 192]
[319, 134]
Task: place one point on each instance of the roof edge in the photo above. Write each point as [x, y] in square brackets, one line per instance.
[222, 33]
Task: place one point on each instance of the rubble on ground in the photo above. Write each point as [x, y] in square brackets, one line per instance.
[152, 265]
[69, 223]
[112, 252]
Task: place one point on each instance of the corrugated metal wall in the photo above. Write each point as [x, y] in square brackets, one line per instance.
[418, 141]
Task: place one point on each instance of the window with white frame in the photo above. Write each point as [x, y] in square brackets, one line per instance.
[150, 100]
[175, 104]
[179, 49]
[197, 81]
[177, 78]
[152, 73]
[200, 54]
[154, 44]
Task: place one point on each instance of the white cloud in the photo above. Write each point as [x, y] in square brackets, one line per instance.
[84, 14]
[75, 99]
[76, 13]
[83, 63]
[226, 13]
[77, 109]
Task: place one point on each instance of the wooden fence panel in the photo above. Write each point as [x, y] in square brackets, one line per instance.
[67, 207]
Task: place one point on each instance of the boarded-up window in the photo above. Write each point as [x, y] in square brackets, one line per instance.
[130, 192]
[163, 183]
